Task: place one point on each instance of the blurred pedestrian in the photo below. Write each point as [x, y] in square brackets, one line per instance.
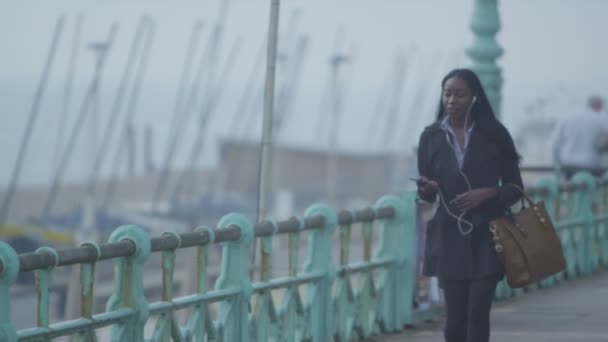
[468, 160]
[580, 141]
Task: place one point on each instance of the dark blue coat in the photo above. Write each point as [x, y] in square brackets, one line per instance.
[448, 253]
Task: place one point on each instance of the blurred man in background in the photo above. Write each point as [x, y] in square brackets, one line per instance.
[580, 141]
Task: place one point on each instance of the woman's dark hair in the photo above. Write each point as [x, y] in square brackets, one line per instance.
[482, 113]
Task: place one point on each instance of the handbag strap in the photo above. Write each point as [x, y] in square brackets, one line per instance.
[524, 195]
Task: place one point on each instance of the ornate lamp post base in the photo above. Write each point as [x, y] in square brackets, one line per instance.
[485, 50]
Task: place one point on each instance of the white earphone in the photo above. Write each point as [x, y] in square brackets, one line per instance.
[460, 218]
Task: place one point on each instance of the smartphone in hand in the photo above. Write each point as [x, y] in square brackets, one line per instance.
[420, 181]
[424, 182]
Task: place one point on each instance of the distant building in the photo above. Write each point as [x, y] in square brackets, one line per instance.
[360, 176]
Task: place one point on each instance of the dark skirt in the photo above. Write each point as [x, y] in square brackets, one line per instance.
[451, 255]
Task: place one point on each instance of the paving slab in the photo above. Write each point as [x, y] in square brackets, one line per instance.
[574, 311]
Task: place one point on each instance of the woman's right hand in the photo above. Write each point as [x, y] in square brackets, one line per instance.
[426, 186]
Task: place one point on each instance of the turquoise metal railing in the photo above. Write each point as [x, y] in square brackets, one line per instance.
[319, 301]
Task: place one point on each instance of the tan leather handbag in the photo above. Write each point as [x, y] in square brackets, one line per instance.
[527, 244]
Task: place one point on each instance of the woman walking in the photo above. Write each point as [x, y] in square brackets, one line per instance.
[467, 160]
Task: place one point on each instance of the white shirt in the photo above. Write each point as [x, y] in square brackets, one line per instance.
[459, 151]
[577, 138]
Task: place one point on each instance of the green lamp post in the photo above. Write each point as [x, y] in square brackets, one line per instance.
[485, 50]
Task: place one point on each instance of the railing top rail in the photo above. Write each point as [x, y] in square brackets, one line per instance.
[545, 169]
[567, 188]
[87, 254]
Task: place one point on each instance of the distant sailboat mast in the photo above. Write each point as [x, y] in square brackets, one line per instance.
[186, 93]
[118, 105]
[35, 110]
[84, 112]
[67, 90]
[127, 125]
[209, 61]
[205, 115]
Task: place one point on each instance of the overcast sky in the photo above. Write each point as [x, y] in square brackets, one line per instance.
[544, 39]
[548, 44]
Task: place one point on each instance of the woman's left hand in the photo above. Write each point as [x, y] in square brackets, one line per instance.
[472, 199]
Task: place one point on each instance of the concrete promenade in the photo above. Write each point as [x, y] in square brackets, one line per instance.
[575, 311]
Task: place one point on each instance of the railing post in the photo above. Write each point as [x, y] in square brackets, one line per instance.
[44, 278]
[291, 308]
[368, 311]
[200, 326]
[549, 195]
[87, 295]
[263, 325]
[8, 274]
[397, 244]
[583, 211]
[318, 296]
[407, 252]
[233, 313]
[128, 285]
[166, 326]
[346, 310]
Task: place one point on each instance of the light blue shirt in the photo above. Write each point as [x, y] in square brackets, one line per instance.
[459, 151]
